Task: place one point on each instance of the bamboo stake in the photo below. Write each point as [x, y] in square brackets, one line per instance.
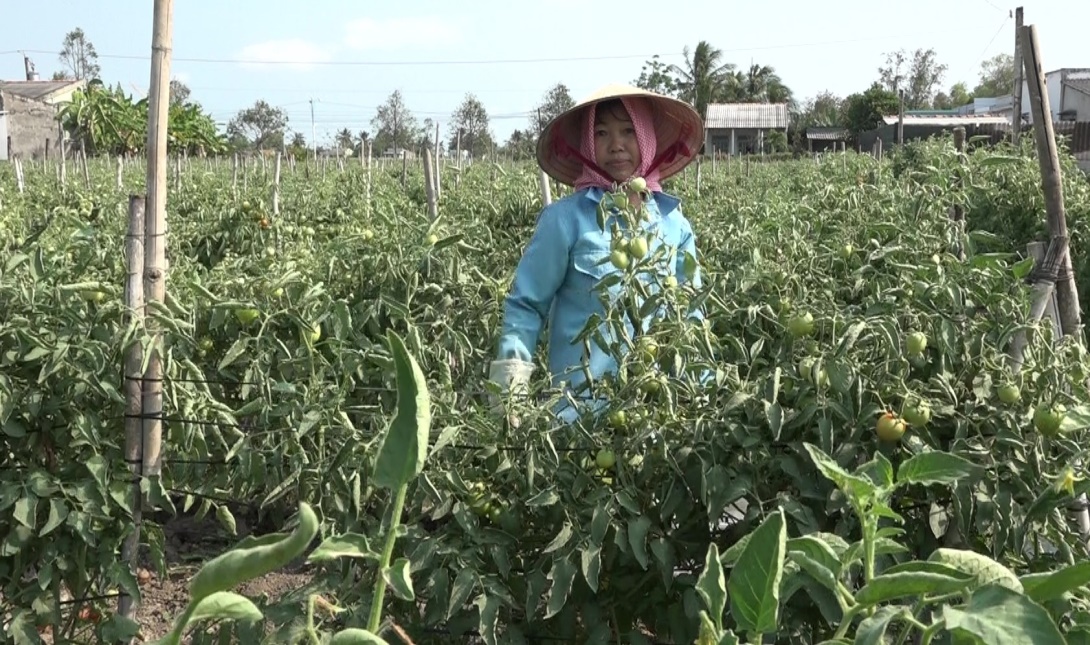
[132, 386]
[546, 188]
[276, 188]
[155, 264]
[1051, 180]
[429, 186]
[1059, 253]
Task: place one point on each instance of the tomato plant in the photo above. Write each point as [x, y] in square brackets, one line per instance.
[825, 302]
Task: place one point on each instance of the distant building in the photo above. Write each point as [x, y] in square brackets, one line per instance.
[923, 124]
[820, 139]
[742, 128]
[28, 115]
[1068, 95]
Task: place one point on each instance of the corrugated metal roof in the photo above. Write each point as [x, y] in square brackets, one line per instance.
[826, 134]
[948, 119]
[746, 115]
[36, 90]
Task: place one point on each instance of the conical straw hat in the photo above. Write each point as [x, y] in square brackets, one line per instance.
[679, 131]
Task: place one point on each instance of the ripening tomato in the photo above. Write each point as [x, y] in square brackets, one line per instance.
[890, 428]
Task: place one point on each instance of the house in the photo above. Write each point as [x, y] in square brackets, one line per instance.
[923, 124]
[1068, 95]
[742, 128]
[28, 116]
[820, 139]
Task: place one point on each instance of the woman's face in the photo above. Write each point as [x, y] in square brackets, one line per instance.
[615, 147]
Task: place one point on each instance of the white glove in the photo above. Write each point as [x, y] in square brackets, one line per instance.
[513, 377]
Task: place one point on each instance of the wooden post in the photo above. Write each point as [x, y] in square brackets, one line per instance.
[155, 231]
[957, 213]
[132, 387]
[698, 174]
[1016, 94]
[368, 194]
[1051, 183]
[438, 173]
[429, 187]
[901, 118]
[404, 168]
[276, 187]
[546, 189]
[121, 185]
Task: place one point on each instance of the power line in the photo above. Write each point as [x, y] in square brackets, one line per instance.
[496, 61]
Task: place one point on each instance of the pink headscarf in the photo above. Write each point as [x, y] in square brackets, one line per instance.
[640, 113]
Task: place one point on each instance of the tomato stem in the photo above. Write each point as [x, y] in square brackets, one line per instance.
[387, 553]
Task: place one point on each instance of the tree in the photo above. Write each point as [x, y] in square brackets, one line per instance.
[425, 138]
[395, 126]
[864, 111]
[260, 126]
[179, 92]
[959, 95]
[520, 145]
[655, 76]
[997, 76]
[760, 84]
[344, 140]
[704, 78]
[823, 111]
[555, 102]
[471, 121]
[78, 57]
[920, 80]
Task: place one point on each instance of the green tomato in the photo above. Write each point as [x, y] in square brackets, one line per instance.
[801, 325]
[637, 247]
[605, 459]
[917, 342]
[1009, 393]
[1048, 420]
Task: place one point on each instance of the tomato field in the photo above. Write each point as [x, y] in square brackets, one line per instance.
[862, 414]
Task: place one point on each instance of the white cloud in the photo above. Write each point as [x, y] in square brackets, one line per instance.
[368, 33]
[292, 53]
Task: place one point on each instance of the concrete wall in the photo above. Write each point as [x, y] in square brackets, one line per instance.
[1078, 102]
[30, 125]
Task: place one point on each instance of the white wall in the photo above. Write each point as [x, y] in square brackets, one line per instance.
[1053, 83]
[3, 137]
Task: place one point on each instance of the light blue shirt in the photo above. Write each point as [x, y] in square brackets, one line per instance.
[566, 257]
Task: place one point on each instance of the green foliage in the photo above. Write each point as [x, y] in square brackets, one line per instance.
[107, 121]
[280, 354]
[864, 111]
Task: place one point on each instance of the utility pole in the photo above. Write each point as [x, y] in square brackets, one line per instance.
[1016, 95]
[901, 117]
[313, 139]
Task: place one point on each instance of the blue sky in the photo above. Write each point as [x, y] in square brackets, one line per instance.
[349, 56]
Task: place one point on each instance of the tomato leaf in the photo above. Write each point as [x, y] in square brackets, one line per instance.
[712, 586]
[936, 468]
[397, 576]
[996, 614]
[754, 583]
[1047, 586]
[906, 584]
[404, 447]
[562, 576]
[348, 545]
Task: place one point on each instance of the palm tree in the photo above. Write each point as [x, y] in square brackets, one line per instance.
[762, 84]
[704, 78]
